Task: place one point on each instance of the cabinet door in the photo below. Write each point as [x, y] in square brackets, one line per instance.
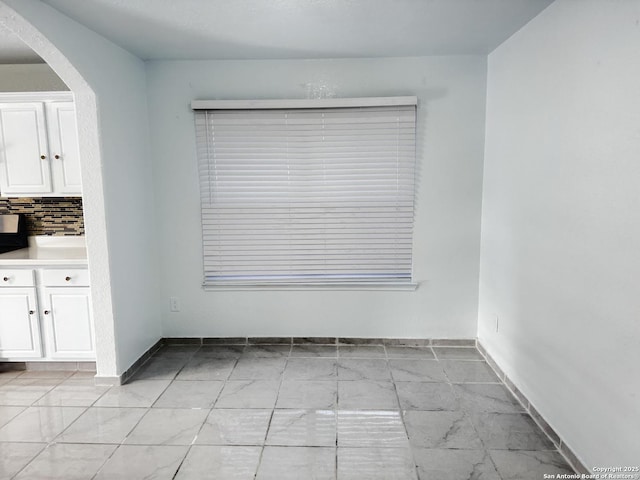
[19, 327]
[66, 314]
[23, 143]
[63, 148]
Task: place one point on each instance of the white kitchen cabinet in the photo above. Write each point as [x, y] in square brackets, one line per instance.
[66, 316]
[39, 153]
[49, 320]
[19, 326]
[63, 148]
[24, 149]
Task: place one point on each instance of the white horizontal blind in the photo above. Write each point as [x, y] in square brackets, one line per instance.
[322, 195]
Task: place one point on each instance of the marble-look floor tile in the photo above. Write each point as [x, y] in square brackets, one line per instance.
[167, 426]
[59, 375]
[266, 351]
[295, 463]
[311, 369]
[529, 465]
[361, 351]
[375, 463]
[486, 397]
[371, 428]
[39, 424]
[204, 368]
[457, 353]
[235, 427]
[510, 431]
[231, 352]
[258, 369]
[82, 375]
[426, 396]
[32, 382]
[15, 394]
[4, 381]
[422, 353]
[140, 393]
[102, 425]
[67, 462]
[304, 428]
[14, 456]
[363, 369]
[137, 462]
[190, 394]
[466, 371]
[159, 369]
[10, 374]
[248, 394]
[79, 380]
[441, 430]
[367, 394]
[8, 412]
[220, 463]
[405, 370]
[71, 395]
[310, 350]
[308, 394]
[450, 464]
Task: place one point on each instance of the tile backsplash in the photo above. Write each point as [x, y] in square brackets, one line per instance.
[48, 215]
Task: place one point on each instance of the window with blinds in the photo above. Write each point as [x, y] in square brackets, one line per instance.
[307, 195]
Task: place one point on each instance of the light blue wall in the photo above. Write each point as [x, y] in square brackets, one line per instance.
[561, 223]
[451, 93]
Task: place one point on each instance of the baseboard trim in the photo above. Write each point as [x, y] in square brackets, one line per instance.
[560, 444]
[413, 342]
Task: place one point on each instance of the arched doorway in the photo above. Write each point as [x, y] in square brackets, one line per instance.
[93, 198]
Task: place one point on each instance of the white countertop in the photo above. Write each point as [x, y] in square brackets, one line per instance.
[45, 250]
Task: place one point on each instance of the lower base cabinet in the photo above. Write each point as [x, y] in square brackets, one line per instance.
[47, 320]
[67, 322]
[19, 325]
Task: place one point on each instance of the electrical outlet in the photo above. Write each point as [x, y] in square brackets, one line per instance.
[174, 304]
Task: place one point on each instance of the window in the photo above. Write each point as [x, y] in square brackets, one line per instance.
[307, 192]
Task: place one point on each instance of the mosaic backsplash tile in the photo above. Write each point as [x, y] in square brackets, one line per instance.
[48, 215]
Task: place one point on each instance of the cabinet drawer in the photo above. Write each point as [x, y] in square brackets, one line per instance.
[16, 278]
[65, 277]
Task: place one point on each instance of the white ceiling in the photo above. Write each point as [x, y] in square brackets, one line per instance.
[265, 29]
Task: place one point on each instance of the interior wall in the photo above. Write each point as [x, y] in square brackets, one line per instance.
[451, 93]
[36, 77]
[109, 87]
[561, 222]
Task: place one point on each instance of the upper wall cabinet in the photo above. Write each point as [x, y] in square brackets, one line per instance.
[39, 154]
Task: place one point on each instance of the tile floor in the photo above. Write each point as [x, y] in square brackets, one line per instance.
[275, 412]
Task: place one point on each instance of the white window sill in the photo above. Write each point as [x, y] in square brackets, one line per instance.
[390, 286]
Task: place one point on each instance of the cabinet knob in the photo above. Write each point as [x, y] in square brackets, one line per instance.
[31, 312]
[6, 279]
[43, 157]
[57, 157]
[46, 312]
[67, 279]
